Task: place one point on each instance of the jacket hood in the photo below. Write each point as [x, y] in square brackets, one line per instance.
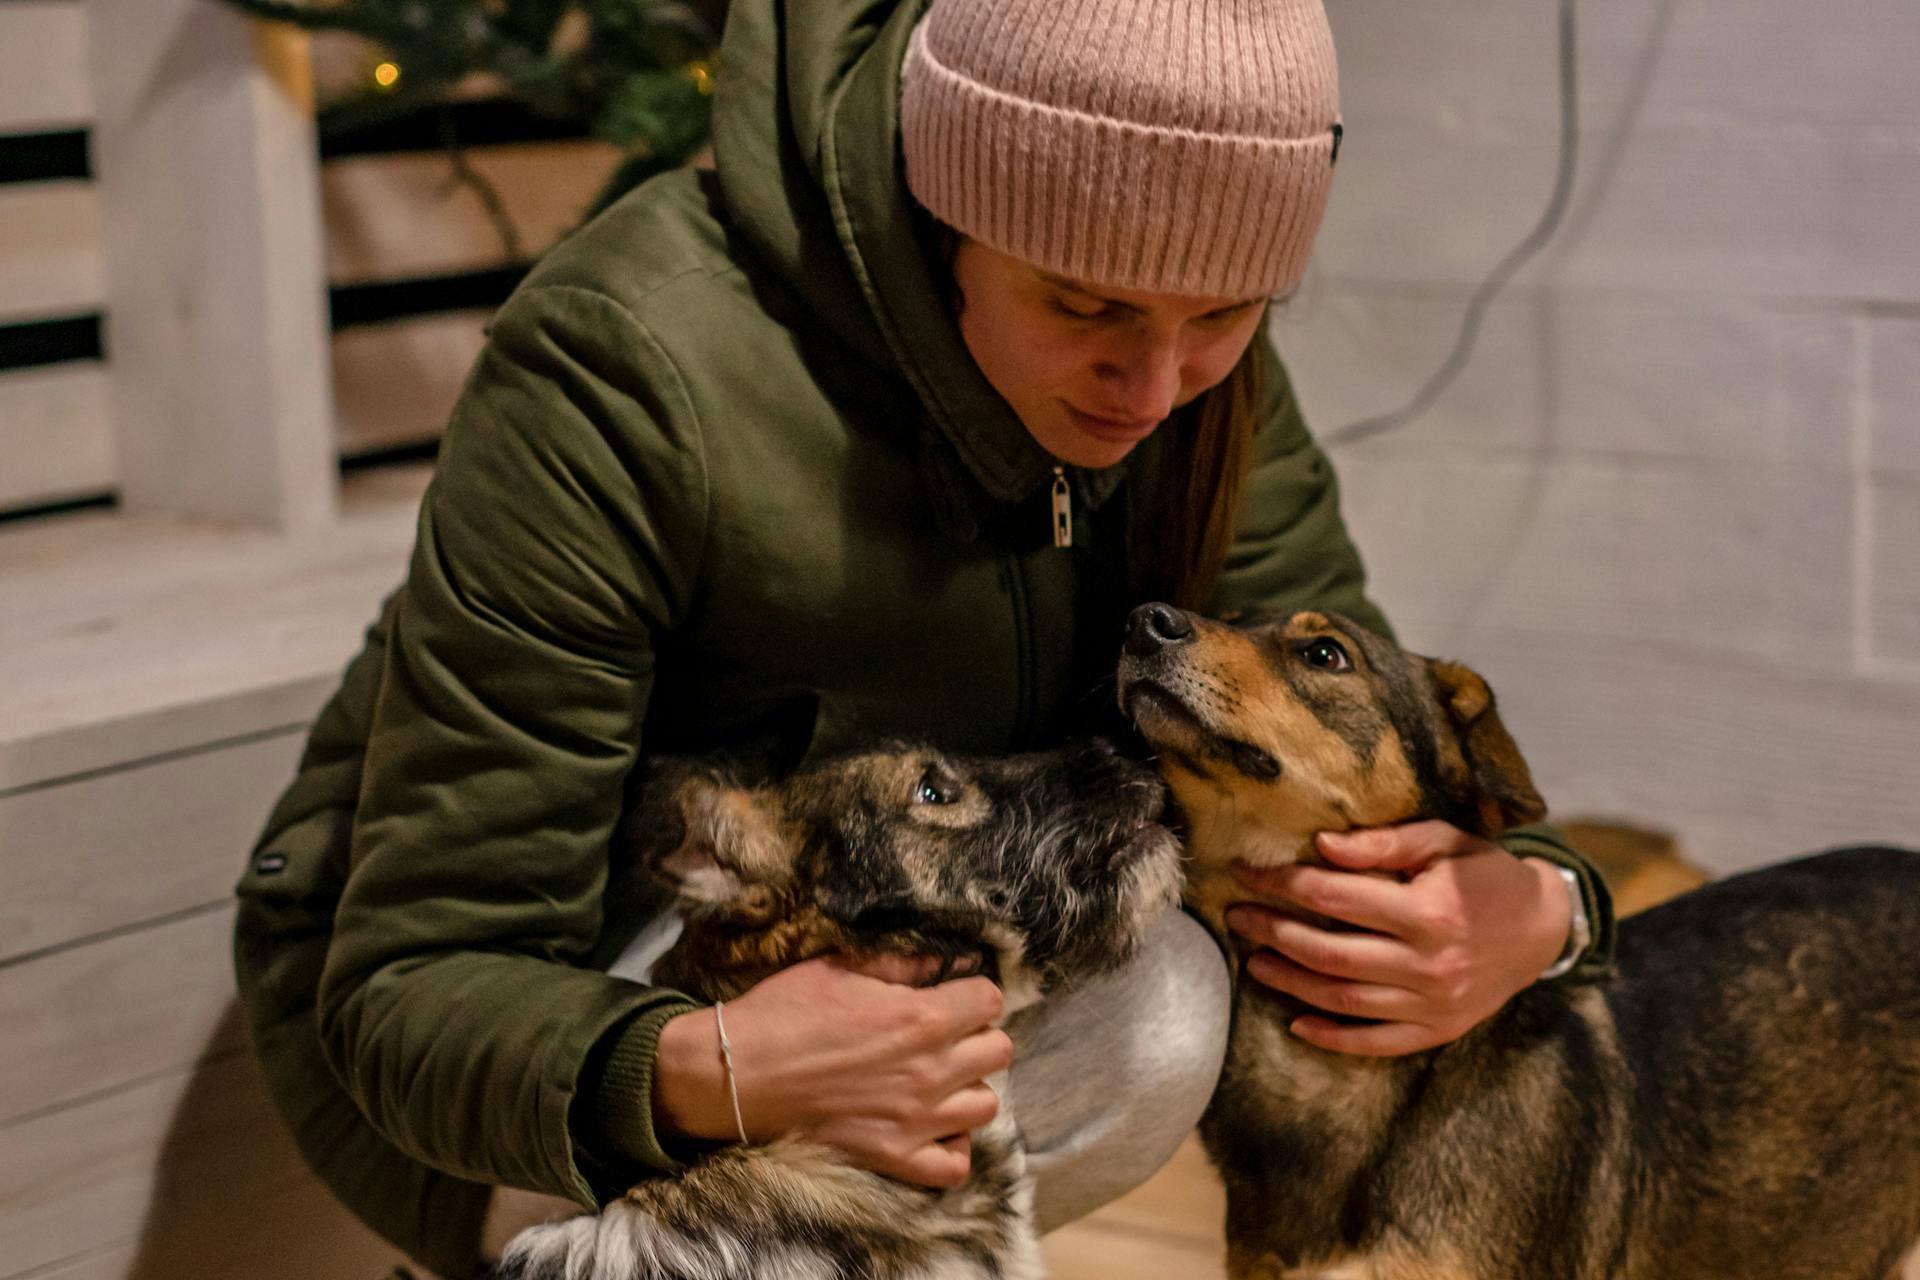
[806, 127]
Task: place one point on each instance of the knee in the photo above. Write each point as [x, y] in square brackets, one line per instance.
[1162, 1017]
[1108, 1079]
[1180, 993]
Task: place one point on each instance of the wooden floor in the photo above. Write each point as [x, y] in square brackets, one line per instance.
[1168, 1229]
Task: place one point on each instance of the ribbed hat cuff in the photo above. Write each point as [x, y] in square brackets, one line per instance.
[1110, 202]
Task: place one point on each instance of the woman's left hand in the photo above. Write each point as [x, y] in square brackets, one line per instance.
[1447, 927]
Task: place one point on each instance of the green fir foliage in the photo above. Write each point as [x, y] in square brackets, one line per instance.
[636, 73]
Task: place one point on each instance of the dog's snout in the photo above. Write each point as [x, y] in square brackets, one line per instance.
[1153, 627]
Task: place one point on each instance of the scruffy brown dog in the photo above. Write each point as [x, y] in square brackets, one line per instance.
[1037, 870]
[1742, 1103]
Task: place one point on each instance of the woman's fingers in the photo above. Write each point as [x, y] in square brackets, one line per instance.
[1409, 848]
[965, 1111]
[1373, 1040]
[962, 1006]
[980, 1055]
[1456, 926]
[904, 970]
[834, 1051]
[934, 1014]
[1349, 999]
[1359, 957]
[1366, 901]
[937, 1164]
[940, 1159]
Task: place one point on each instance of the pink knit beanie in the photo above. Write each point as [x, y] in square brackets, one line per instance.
[1171, 146]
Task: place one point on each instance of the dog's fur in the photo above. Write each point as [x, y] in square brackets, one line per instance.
[1036, 870]
[1743, 1101]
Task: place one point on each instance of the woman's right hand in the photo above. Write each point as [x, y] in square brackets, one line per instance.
[846, 1053]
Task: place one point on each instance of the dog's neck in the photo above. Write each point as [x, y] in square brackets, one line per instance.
[1322, 1112]
[718, 962]
[1219, 838]
[1220, 834]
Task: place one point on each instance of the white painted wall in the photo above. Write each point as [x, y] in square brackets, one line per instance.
[1672, 508]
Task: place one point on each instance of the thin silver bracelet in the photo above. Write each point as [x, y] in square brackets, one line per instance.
[726, 1059]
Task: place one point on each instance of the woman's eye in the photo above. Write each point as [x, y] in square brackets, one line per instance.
[1074, 313]
[933, 790]
[1327, 655]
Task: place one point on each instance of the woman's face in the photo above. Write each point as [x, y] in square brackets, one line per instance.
[1093, 371]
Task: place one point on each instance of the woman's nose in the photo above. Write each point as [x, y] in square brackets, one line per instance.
[1144, 378]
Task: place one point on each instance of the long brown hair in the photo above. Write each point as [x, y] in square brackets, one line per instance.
[1180, 547]
[1203, 469]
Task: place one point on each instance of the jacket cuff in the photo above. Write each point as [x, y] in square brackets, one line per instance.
[1545, 842]
[613, 1120]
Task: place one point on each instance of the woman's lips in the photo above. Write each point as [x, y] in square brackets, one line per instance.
[1112, 429]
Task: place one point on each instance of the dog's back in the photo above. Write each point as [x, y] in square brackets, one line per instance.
[1742, 1101]
[1772, 1027]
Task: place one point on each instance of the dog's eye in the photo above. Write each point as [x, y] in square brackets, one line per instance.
[1326, 655]
[934, 789]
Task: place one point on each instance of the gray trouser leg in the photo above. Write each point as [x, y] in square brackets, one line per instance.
[1110, 1078]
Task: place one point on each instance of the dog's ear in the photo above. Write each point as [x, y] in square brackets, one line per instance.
[717, 843]
[1506, 796]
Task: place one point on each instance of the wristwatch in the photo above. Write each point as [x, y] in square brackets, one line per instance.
[1579, 930]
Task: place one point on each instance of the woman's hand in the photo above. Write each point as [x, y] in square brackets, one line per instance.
[1447, 928]
[844, 1052]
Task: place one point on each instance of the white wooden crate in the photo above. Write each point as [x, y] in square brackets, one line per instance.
[43, 50]
[383, 218]
[156, 679]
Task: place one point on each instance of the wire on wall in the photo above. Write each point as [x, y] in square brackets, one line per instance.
[1504, 270]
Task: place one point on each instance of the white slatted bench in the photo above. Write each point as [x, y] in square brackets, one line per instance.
[159, 663]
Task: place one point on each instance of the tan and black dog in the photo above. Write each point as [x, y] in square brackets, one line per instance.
[1741, 1103]
[1037, 870]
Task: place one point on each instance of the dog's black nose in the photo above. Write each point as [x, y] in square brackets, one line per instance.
[1152, 627]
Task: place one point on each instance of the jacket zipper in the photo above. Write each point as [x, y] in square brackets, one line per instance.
[1061, 520]
[1062, 509]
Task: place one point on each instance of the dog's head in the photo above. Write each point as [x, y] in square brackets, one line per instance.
[1036, 869]
[1278, 727]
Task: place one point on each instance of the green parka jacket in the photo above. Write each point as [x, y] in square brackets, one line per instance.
[724, 476]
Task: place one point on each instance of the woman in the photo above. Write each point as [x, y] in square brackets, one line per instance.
[780, 457]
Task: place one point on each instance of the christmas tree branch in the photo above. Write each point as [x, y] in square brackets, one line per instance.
[465, 173]
[329, 18]
[636, 73]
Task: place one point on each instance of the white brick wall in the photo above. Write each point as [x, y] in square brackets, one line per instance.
[1890, 428]
[1672, 508]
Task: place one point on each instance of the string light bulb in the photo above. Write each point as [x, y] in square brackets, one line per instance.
[387, 75]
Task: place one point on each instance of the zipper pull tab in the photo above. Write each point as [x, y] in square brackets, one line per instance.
[1062, 509]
